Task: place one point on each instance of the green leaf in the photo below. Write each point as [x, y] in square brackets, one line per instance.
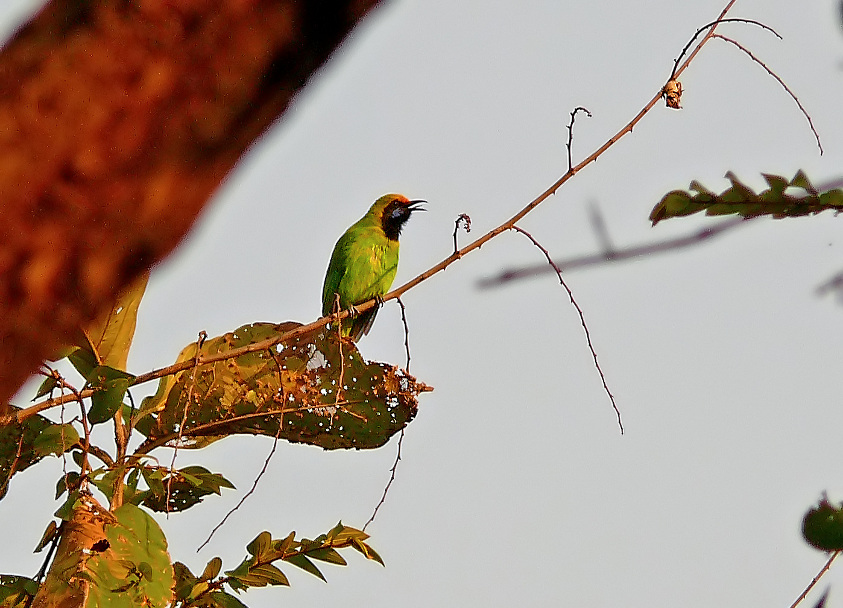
[85, 361]
[198, 589]
[212, 569]
[136, 564]
[17, 445]
[110, 386]
[822, 526]
[226, 600]
[739, 199]
[367, 551]
[110, 336]
[260, 545]
[16, 591]
[326, 554]
[186, 488]
[55, 439]
[301, 561]
[184, 581]
[70, 480]
[154, 479]
[49, 384]
[65, 511]
[271, 574]
[48, 536]
[291, 391]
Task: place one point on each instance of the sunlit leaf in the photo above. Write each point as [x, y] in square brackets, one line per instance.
[136, 563]
[259, 546]
[212, 569]
[110, 336]
[16, 591]
[225, 600]
[290, 391]
[305, 564]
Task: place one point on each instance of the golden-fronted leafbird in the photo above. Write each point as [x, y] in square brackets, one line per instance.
[365, 260]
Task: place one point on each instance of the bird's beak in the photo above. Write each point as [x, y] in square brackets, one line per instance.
[413, 205]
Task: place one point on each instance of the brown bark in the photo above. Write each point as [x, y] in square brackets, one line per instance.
[118, 119]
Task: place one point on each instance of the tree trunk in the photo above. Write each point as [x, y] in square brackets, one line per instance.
[118, 119]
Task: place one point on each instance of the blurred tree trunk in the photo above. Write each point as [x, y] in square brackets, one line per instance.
[118, 120]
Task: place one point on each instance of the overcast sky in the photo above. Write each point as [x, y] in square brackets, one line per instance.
[515, 486]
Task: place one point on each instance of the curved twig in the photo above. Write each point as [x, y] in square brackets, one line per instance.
[780, 81]
[582, 321]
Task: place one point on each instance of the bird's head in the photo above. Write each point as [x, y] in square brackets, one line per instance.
[394, 210]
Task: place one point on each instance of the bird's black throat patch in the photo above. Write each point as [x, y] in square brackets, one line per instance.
[395, 215]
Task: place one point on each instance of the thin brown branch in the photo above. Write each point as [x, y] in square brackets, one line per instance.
[200, 340]
[388, 483]
[463, 220]
[714, 24]
[815, 580]
[781, 82]
[247, 494]
[265, 463]
[406, 335]
[582, 321]
[399, 291]
[570, 142]
[611, 255]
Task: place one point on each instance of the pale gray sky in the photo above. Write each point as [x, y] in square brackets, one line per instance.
[515, 487]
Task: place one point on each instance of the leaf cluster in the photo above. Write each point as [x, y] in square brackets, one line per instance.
[783, 198]
[259, 569]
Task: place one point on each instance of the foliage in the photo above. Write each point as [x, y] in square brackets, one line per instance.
[822, 526]
[778, 201]
[315, 388]
[258, 570]
[22, 444]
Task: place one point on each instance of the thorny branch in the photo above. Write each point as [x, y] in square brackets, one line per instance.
[571, 132]
[780, 81]
[814, 581]
[713, 25]
[582, 321]
[406, 335]
[399, 291]
[465, 220]
[200, 340]
[265, 462]
[388, 483]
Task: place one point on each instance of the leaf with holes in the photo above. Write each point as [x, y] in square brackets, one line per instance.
[187, 488]
[107, 340]
[314, 389]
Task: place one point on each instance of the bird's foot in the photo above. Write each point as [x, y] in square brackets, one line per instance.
[352, 311]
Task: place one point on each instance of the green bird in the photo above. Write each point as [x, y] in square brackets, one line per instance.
[364, 262]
